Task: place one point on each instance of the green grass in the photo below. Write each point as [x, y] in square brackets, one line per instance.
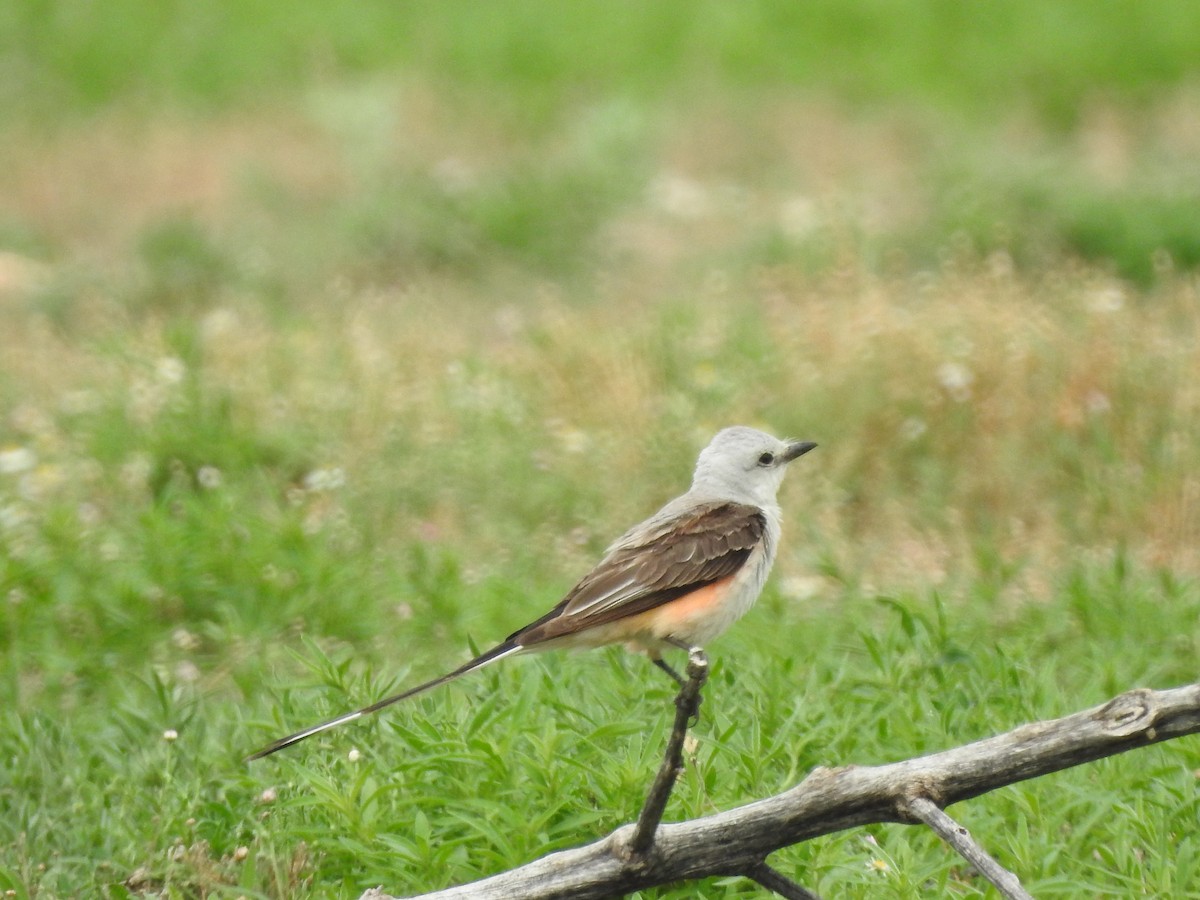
[879, 52]
[1073, 105]
[335, 342]
[532, 757]
[185, 557]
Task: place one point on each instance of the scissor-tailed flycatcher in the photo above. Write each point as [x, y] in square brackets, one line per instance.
[678, 579]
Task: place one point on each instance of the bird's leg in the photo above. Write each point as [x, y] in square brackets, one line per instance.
[666, 667]
[683, 645]
[696, 658]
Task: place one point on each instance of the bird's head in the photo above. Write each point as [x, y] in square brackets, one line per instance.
[746, 465]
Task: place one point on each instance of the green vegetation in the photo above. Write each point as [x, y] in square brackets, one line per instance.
[335, 341]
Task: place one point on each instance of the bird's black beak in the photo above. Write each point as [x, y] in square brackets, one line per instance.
[797, 448]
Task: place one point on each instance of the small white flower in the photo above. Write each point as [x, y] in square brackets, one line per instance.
[89, 514]
[1000, 264]
[454, 175]
[145, 400]
[956, 379]
[219, 323]
[326, 479]
[268, 796]
[1108, 299]
[799, 217]
[170, 370]
[209, 477]
[801, 587]
[15, 460]
[136, 471]
[912, 428]
[679, 196]
[12, 517]
[1098, 403]
[184, 639]
[354, 756]
[170, 735]
[574, 440]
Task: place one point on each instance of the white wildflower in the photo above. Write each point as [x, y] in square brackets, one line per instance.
[325, 479]
[209, 477]
[679, 196]
[799, 217]
[15, 460]
[12, 517]
[145, 400]
[184, 639]
[1000, 264]
[1097, 403]
[912, 428]
[956, 379]
[170, 370]
[219, 323]
[136, 470]
[801, 587]
[454, 175]
[1107, 300]
[574, 440]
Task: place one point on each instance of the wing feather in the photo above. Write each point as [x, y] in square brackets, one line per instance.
[652, 565]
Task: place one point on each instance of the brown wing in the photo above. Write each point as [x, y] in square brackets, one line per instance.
[647, 569]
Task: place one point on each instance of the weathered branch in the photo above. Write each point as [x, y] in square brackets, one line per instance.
[828, 800]
[778, 883]
[687, 708]
[960, 839]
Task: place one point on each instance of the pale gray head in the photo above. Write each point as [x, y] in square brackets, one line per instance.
[745, 465]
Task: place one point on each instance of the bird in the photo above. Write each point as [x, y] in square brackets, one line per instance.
[676, 580]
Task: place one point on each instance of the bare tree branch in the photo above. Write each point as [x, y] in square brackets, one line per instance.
[960, 839]
[687, 709]
[687, 705]
[828, 800]
[778, 883]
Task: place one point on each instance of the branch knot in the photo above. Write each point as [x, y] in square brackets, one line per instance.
[1129, 713]
[921, 792]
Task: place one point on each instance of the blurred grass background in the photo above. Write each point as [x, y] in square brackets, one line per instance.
[328, 332]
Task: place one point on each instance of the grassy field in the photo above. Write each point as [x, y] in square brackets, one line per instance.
[336, 342]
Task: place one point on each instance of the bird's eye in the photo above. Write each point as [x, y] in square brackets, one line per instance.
[766, 459]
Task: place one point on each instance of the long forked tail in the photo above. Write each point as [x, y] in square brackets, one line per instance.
[508, 648]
